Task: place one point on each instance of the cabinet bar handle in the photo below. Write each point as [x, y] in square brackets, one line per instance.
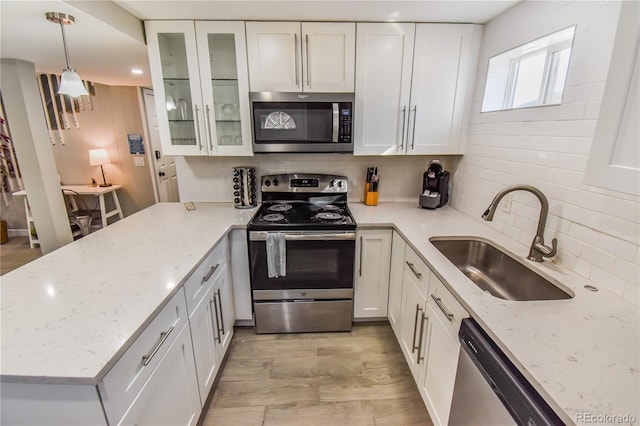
[215, 307]
[221, 312]
[295, 51]
[415, 328]
[413, 133]
[413, 269]
[209, 126]
[306, 40]
[424, 318]
[360, 265]
[446, 313]
[196, 115]
[404, 119]
[211, 271]
[146, 359]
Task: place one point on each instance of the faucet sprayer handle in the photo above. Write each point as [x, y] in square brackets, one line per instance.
[547, 251]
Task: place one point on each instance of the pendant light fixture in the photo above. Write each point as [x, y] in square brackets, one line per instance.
[71, 84]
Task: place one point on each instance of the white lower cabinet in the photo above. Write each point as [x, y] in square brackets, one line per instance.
[170, 396]
[394, 308]
[371, 284]
[203, 332]
[426, 321]
[412, 340]
[211, 330]
[438, 376]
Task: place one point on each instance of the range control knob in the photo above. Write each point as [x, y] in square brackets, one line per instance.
[275, 182]
[267, 182]
[340, 184]
[332, 183]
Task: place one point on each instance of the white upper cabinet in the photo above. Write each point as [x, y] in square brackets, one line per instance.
[413, 86]
[225, 87]
[328, 56]
[295, 57]
[200, 83]
[173, 59]
[444, 64]
[384, 54]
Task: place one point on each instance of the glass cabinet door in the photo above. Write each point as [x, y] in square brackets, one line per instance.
[225, 87]
[176, 83]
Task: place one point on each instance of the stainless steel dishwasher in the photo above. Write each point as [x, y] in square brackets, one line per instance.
[489, 389]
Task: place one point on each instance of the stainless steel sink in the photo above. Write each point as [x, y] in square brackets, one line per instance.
[496, 271]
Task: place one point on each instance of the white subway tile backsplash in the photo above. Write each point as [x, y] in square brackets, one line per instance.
[598, 230]
[608, 280]
[582, 267]
[628, 271]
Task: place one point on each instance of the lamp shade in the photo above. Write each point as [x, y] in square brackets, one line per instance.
[98, 157]
[71, 84]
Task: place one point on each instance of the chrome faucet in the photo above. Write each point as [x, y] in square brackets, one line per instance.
[538, 249]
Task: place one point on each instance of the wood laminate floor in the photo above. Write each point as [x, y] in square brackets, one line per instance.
[351, 378]
[15, 253]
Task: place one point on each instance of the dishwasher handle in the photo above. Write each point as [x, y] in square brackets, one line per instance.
[519, 397]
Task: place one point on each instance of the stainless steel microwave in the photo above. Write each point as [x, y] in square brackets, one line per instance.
[302, 122]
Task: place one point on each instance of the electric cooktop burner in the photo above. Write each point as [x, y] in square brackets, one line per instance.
[328, 216]
[331, 208]
[284, 207]
[273, 217]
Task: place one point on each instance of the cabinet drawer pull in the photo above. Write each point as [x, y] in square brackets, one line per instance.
[413, 133]
[221, 312]
[404, 119]
[413, 269]
[424, 319]
[295, 58]
[211, 271]
[446, 313]
[215, 308]
[208, 117]
[197, 117]
[306, 39]
[360, 264]
[415, 328]
[146, 359]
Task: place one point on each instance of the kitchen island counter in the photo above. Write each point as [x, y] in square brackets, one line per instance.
[67, 317]
[581, 354]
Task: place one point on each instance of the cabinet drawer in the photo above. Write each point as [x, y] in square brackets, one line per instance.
[446, 306]
[201, 279]
[123, 382]
[418, 269]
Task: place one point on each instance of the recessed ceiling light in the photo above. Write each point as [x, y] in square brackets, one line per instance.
[136, 71]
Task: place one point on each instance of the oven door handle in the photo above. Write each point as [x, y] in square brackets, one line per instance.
[319, 236]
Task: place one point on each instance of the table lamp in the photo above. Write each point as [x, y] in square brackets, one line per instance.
[99, 157]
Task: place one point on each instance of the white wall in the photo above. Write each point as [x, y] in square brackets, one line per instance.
[597, 230]
[210, 179]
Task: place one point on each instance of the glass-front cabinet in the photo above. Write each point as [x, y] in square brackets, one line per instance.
[200, 81]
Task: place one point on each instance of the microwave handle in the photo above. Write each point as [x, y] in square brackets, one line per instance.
[336, 124]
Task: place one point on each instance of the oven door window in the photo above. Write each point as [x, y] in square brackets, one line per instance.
[310, 265]
[292, 122]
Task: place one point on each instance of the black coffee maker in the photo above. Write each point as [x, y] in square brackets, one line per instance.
[435, 186]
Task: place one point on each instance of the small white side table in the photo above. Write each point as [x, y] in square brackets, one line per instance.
[97, 191]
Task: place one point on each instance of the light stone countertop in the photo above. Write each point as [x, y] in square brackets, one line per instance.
[68, 316]
[581, 354]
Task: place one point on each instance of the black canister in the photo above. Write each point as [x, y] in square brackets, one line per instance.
[244, 187]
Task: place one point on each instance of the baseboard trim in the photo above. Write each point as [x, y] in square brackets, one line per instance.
[18, 232]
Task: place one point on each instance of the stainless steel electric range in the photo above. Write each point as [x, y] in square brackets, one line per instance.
[301, 248]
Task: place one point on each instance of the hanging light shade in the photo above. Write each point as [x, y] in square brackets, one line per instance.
[71, 84]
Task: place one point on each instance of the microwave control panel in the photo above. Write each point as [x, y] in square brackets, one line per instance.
[345, 122]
